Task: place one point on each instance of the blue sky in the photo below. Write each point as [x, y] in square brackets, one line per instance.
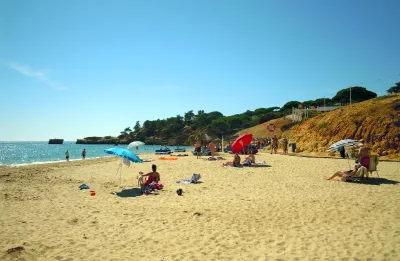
[79, 68]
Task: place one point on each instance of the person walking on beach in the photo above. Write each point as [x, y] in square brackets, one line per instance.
[83, 153]
[67, 155]
[212, 148]
[274, 145]
[198, 148]
[285, 145]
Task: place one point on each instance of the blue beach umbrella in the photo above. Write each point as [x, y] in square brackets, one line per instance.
[125, 154]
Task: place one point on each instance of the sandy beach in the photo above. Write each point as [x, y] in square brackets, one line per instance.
[286, 211]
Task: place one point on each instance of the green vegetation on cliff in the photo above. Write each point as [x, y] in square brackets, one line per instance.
[183, 130]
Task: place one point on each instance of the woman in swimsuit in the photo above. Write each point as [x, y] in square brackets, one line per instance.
[153, 176]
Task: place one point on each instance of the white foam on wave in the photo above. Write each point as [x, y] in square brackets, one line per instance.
[49, 162]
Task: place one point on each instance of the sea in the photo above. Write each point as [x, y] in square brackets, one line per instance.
[40, 152]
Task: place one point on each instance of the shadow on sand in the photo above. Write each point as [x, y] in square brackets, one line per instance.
[377, 181]
[130, 193]
[257, 166]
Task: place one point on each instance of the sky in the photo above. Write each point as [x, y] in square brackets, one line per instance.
[78, 68]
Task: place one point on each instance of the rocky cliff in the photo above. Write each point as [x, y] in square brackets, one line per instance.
[374, 122]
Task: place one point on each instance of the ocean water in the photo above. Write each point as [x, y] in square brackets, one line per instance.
[37, 152]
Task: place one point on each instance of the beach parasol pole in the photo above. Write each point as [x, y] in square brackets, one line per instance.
[119, 170]
[222, 144]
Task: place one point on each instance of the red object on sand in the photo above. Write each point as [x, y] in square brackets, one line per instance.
[241, 142]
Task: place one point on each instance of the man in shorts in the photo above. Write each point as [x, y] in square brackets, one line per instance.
[198, 148]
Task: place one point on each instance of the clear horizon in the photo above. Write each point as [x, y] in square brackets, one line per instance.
[76, 69]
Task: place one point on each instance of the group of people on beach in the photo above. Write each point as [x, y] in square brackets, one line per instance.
[153, 177]
[362, 165]
[285, 144]
[83, 155]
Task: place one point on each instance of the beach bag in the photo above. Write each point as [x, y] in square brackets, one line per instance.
[83, 186]
[195, 178]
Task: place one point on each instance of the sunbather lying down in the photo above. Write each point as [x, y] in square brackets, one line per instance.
[257, 164]
[214, 158]
[344, 175]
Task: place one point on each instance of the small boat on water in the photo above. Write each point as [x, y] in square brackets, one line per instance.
[167, 151]
[206, 152]
[180, 150]
[56, 141]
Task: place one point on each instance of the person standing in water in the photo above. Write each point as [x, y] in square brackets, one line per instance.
[67, 155]
[83, 153]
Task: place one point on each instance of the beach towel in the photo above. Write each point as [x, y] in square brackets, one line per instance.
[233, 166]
[194, 179]
[257, 164]
[163, 158]
[147, 160]
[158, 186]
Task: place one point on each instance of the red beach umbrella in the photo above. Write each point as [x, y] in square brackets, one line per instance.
[241, 142]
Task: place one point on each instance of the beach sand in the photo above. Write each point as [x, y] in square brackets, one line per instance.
[287, 211]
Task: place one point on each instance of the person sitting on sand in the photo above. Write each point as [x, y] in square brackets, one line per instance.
[249, 160]
[234, 163]
[346, 174]
[153, 176]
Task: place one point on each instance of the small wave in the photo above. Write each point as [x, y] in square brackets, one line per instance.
[49, 162]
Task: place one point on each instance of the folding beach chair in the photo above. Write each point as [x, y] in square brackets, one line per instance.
[373, 162]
